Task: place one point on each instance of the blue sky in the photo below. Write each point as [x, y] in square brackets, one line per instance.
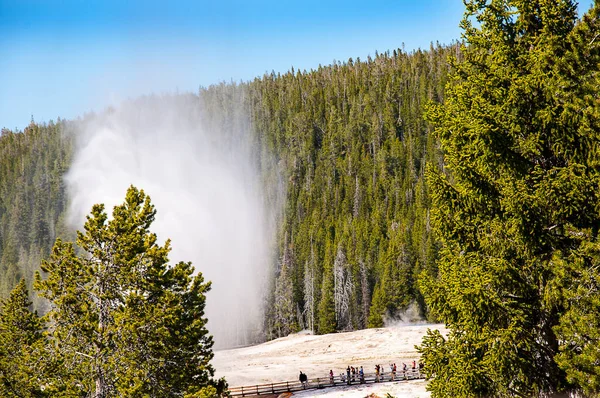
[67, 57]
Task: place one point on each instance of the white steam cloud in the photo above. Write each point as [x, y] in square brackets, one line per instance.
[202, 174]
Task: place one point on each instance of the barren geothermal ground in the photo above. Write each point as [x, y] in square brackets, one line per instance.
[283, 359]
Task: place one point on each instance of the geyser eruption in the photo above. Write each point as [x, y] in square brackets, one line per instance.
[201, 170]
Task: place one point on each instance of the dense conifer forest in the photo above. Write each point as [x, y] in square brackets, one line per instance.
[32, 198]
[351, 145]
[355, 231]
[463, 181]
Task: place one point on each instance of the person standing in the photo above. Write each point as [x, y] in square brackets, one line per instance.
[348, 374]
[331, 376]
[303, 379]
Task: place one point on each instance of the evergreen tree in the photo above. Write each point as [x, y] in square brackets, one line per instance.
[378, 309]
[122, 321]
[326, 315]
[514, 207]
[22, 348]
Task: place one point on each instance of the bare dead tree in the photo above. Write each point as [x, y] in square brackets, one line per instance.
[356, 207]
[364, 285]
[284, 304]
[309, 295]
[343, 288]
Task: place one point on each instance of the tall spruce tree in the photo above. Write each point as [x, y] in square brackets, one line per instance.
[124, 322]
[327, 322]
[516, 207]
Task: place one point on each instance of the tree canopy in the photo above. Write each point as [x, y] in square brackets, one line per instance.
[122, 321]
[23, 363]
[516, 206]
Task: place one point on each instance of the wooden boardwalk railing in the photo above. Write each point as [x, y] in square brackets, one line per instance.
[321, 382]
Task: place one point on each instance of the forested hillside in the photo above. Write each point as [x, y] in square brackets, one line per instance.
[351, 145]
[354, 143]
[32, 198]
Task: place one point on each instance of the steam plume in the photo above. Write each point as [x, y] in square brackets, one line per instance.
[202, 172]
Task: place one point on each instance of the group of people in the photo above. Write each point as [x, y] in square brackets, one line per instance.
[354, 373]
[357, 373]
[351, 374]
[380, 372]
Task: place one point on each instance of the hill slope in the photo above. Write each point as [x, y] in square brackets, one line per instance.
[349, 144]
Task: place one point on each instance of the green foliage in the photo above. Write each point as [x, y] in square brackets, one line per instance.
[579, 326]
[378, 309]
[348, 144]
[32, 198]
[351, 145]
[326, 316]
[22, 347]
[516, 207]
[576, 270]
[122, 321]
[343, 148]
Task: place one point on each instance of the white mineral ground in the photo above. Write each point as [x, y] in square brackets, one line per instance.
[282, 360]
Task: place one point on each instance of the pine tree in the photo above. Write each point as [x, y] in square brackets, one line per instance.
[514, 205]
[124, 322]
[22, 348]
[326, 314]
[378, 309]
